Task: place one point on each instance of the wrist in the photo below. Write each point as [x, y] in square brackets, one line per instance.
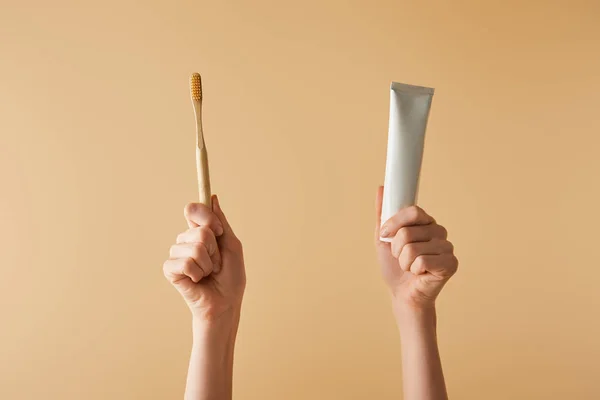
[415, 317]
[222, 330]
[210, 372]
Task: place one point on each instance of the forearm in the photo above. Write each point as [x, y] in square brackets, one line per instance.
[210, 373]
[423, 378]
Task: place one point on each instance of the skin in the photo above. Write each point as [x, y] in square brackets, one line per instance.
[206, 266]
[415, 267]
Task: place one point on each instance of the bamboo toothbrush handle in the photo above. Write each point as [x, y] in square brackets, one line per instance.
[203, 176]
[201, 155]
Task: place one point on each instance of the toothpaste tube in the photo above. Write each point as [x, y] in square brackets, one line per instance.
[409, 111]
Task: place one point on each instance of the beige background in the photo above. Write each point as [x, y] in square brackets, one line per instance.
[97, 162]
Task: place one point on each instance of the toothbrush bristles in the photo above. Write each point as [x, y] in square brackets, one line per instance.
[196, 86]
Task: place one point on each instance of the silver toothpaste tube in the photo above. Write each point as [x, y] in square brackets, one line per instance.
[409, 111]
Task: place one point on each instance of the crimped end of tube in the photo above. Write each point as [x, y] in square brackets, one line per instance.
[196, 86]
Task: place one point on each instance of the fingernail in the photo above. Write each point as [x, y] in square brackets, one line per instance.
[383, 232]
[219, 230]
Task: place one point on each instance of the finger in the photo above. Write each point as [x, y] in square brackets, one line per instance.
[195, 251]
[378, 205]
[228, 238]
[385, 246]
[442, 266]
[180, 270]
[203, 234]
[409, 216]
[411, 251]
[197, 214]
[417, 233]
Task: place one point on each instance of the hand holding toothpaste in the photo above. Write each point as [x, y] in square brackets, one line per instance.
[419, 260]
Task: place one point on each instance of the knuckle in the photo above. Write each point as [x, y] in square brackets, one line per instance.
[415, 212]
[165, 267]
[197, 250]
[206, 234]
[421, 265]
[237, 244]
[410, 250]
[401, 240]
[412, 213]
[443, 231]
[188, 266]
[454, 264]
[450, 265]
[423, 262]
[404, 235]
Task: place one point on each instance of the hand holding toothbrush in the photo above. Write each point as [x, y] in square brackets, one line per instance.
[206, 266]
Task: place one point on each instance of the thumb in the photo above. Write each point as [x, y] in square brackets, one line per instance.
[227, 230]
[378, 206]
[380, 245]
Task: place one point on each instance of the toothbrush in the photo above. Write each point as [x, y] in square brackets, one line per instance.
[201, 155]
